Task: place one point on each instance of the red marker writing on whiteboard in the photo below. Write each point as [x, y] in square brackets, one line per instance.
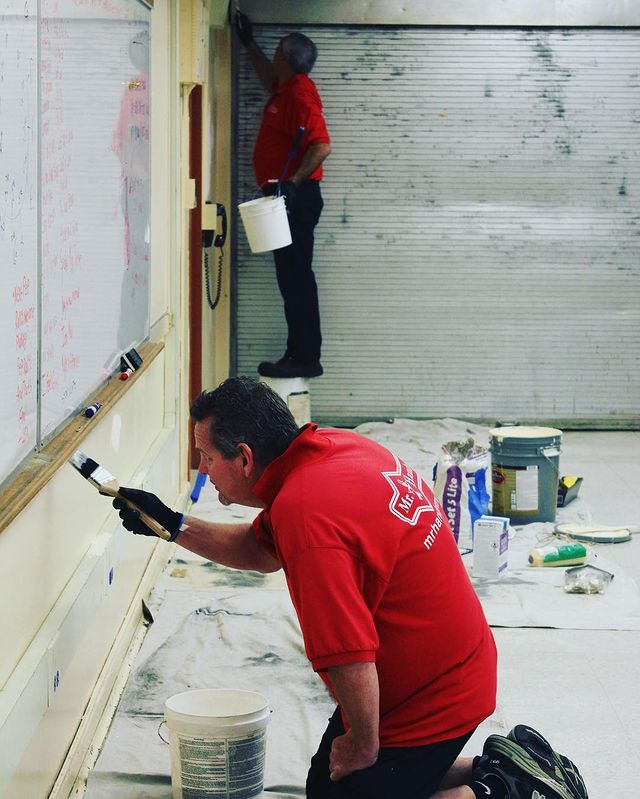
[126, 374]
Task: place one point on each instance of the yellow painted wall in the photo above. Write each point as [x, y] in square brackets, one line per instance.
[217, 137]
[52, 554]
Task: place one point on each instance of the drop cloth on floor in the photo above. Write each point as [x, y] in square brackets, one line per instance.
[216, 627]
[245, 638]
[524, 596]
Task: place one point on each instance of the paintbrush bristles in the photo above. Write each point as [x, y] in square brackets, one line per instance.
[107, 484]
[93, 472]
[83, 463]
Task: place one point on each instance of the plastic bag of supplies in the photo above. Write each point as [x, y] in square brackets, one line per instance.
[461, 485]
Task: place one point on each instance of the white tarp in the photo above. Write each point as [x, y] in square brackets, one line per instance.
[216, 627]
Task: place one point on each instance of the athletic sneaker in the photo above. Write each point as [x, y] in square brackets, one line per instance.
[552, 762]
[522, 776]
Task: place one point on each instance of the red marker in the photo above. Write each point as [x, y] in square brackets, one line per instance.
[126, 374]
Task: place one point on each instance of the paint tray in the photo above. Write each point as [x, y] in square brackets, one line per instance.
[568, 488]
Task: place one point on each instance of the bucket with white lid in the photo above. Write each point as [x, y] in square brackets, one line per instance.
[266, 223]
[525, 464]
[217, 739]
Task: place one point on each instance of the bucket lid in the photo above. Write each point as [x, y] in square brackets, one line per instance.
[524, 432]
[219, 703]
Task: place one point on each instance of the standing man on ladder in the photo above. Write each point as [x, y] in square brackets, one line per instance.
[293, 114]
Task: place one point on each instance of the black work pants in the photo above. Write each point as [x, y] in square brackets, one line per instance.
[404, 772]
[296, 281]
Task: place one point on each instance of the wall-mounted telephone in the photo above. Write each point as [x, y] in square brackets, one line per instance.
[210, 214]
[210, 224]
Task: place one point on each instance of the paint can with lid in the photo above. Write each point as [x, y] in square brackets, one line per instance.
[525, 463]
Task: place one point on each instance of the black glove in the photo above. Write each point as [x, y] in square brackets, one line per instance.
[269, 188]
[244, 28]
[149, 503]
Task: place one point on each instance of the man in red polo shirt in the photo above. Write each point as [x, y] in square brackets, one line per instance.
[292, 117]
[389, 617]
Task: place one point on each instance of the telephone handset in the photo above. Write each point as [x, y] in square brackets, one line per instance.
[209, 225]
[212, 239]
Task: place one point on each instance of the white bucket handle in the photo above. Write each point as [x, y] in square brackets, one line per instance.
[164, 741]
[548, 453]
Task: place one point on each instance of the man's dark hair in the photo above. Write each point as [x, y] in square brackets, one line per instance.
[242, 409]
[300, 52]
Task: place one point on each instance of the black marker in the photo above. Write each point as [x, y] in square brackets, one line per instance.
[93, 409]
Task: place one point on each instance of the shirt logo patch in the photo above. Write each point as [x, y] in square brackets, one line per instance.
[409, 499]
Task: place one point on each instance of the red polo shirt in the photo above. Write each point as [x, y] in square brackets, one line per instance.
[294, 104]
[375, 576]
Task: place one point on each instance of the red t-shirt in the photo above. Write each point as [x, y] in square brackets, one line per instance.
[294, 104]
[375, 576]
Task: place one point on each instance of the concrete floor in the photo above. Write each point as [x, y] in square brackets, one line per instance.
[578, 687]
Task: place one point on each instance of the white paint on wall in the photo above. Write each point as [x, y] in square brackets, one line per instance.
[116, 428]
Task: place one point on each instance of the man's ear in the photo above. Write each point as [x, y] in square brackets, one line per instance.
[247, 459]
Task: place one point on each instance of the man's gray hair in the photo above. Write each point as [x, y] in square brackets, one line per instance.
[300, 52]
[244, 410]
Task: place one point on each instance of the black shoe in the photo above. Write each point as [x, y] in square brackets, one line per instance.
[551, 761]
[522, 776]
[289, 367]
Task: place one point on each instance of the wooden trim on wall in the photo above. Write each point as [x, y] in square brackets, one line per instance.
[41, 466]
[195, 259]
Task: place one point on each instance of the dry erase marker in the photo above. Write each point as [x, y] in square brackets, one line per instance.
[126, 374]
[93, 409]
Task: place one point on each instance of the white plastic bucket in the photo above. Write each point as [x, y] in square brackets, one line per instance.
[266, 223]
[217, 739]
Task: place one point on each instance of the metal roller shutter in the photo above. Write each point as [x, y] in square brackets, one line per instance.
[479, 250]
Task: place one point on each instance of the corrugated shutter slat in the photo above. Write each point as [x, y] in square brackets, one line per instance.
[479, 250]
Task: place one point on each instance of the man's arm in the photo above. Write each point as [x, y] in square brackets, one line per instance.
[233, 545]
[262, 65]
[356, 688]
[311, 160]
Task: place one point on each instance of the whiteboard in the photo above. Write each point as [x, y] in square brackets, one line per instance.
[18, 230]
[76, 225]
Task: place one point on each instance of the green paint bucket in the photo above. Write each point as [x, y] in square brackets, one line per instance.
[525, 463]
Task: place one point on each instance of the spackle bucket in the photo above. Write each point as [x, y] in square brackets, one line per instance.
[217, 739]
[525, 464]
[266, 223]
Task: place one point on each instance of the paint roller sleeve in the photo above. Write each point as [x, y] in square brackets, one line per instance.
[171, 520]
